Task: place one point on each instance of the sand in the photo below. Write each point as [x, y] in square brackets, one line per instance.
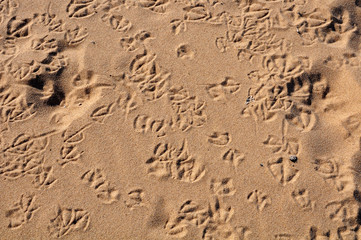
[180, 119]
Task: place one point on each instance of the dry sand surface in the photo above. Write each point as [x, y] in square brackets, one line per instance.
[180, 119]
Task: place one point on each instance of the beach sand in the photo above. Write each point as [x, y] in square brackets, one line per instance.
[180, 119]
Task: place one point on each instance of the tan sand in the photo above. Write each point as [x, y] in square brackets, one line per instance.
[180, 119]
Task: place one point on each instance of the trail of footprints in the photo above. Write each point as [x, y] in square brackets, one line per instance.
[25, 157]
[21, 211]
[169, 161]
[14, 107]
[221, 91]
[184, 51]
[282, 170]
[135, 199]
[69, 151]
[68, 220]
[343, 232]
[222, 188]
[302, 199]
[330, 169]
[219, 139]
[144, 124]
[214, 221]
[96, 179]
[150, 79]
[270, 96]
[259, 199]
[345, 211]
[133, 43]
[231, 156]
[188, 112]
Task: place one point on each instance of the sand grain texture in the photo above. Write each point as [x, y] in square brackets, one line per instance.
[180, 119]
